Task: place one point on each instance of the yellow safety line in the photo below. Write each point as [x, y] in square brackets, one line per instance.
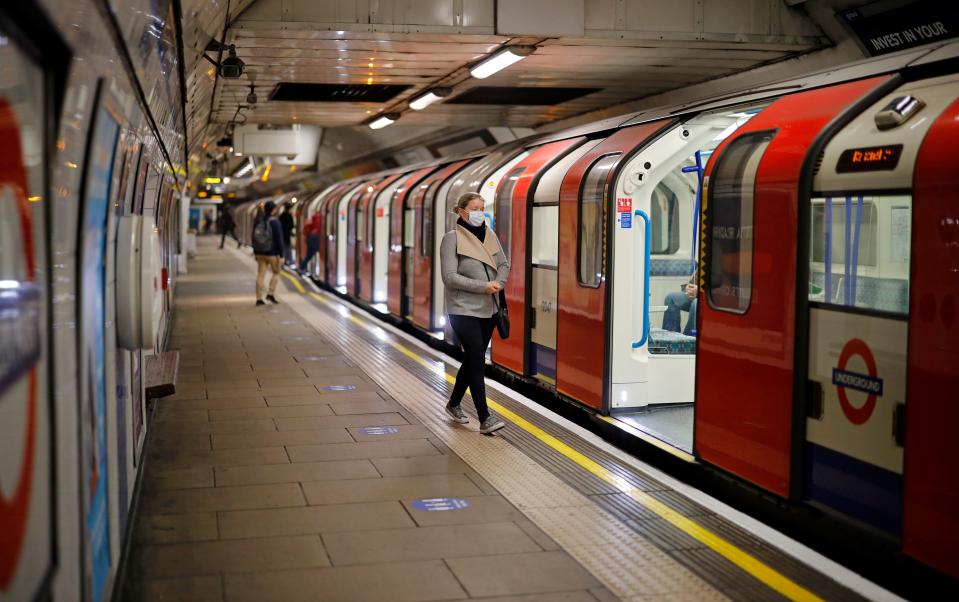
[295, 282]
[747, 562]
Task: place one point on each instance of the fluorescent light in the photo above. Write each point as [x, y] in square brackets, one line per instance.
[384, 120]
[424, 100]
[500, 60]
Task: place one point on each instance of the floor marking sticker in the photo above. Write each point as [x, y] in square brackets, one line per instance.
[340, 388]
[378, 430]
[440, 504]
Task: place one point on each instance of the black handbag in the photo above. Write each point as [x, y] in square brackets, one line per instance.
[502, 315]
[502, 310]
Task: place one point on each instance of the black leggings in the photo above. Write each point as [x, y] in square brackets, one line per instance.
[474, 335]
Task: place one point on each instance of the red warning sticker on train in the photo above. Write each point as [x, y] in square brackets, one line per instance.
[624, 205]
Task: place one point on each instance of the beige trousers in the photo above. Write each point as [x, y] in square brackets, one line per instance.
[262, 261]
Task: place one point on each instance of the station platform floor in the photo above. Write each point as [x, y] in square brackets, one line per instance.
[306, 456]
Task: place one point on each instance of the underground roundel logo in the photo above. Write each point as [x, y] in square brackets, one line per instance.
[19, 315]
[868, 383]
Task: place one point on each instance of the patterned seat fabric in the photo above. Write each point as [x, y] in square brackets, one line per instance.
[670, 267]
[886, 294]
[670, 343]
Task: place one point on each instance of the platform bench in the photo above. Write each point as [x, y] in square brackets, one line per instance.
[161, 372]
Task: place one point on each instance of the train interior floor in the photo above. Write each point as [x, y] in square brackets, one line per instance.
[305, 456]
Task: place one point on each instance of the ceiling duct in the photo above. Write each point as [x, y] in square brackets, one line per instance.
[301, 92]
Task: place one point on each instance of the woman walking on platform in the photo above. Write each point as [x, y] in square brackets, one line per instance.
[474, 269]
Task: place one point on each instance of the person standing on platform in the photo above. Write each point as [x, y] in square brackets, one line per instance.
[474, 269]
[268, 250]
[286, 223]
[312, 241]
[228, 226]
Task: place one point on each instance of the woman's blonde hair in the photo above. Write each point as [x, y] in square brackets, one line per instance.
[465, 199]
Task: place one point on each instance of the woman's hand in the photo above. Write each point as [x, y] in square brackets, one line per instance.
[493, 287]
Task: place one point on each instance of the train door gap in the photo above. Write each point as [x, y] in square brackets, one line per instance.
[657, 198]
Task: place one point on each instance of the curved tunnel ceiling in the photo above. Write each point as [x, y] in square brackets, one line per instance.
[628, 50]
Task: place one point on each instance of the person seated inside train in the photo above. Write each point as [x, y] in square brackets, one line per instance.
[678, 302]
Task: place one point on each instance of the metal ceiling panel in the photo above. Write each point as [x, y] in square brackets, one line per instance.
[630, 49]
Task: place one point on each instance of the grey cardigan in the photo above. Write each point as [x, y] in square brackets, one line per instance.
[467, 264]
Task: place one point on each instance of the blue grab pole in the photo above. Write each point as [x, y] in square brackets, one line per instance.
[827, 255]
[698, 168]
[846, 256]
[855, 251]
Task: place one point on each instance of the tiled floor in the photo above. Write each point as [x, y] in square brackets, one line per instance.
[264, 482]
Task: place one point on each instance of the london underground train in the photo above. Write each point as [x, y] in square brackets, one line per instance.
[818, 222]
[91, 183]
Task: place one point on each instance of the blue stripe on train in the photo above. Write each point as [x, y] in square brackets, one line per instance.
[543, 360]
[856, 488]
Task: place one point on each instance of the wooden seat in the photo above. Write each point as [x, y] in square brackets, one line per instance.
[161, 371]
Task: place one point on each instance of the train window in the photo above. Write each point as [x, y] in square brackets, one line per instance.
[426, 243]
[503, 208]
[664, 221]
[357, 218]
[409, 228]
[729, 281]
[592, 221]
[860, 251]
[545, 244]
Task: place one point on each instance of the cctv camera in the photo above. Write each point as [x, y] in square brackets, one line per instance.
[290, 157]
[232, 66]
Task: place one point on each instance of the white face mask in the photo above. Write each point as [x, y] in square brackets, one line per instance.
[476, 218]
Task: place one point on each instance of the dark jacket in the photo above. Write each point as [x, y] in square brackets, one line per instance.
[286, 221]
[277, 236]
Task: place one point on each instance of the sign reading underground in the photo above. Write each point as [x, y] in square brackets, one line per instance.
[868, 383]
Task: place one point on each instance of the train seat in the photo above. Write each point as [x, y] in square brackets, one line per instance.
[884, 294]
[667, 342]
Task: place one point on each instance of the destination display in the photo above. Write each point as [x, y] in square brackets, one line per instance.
[873, 158]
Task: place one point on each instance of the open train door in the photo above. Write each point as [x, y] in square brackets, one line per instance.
[746, 374]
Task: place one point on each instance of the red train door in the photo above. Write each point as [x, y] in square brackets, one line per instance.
[335, 215]
[746, 370]
[930, 522]
[396, 284]
[323, 208]
[420, 257]
[367, 246]
[356, 223]
[512, 207]
[581, 354]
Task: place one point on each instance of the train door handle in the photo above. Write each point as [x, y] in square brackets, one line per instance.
[814, 400]
[899, 424]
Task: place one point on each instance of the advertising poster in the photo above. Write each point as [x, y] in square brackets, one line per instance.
[25, 476]
[93, 355]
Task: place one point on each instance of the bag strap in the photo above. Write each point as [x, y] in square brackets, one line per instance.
[494, 295]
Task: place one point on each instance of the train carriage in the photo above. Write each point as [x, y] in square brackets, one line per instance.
[795, 209]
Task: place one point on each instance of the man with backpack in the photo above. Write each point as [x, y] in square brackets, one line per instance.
[268, 250]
